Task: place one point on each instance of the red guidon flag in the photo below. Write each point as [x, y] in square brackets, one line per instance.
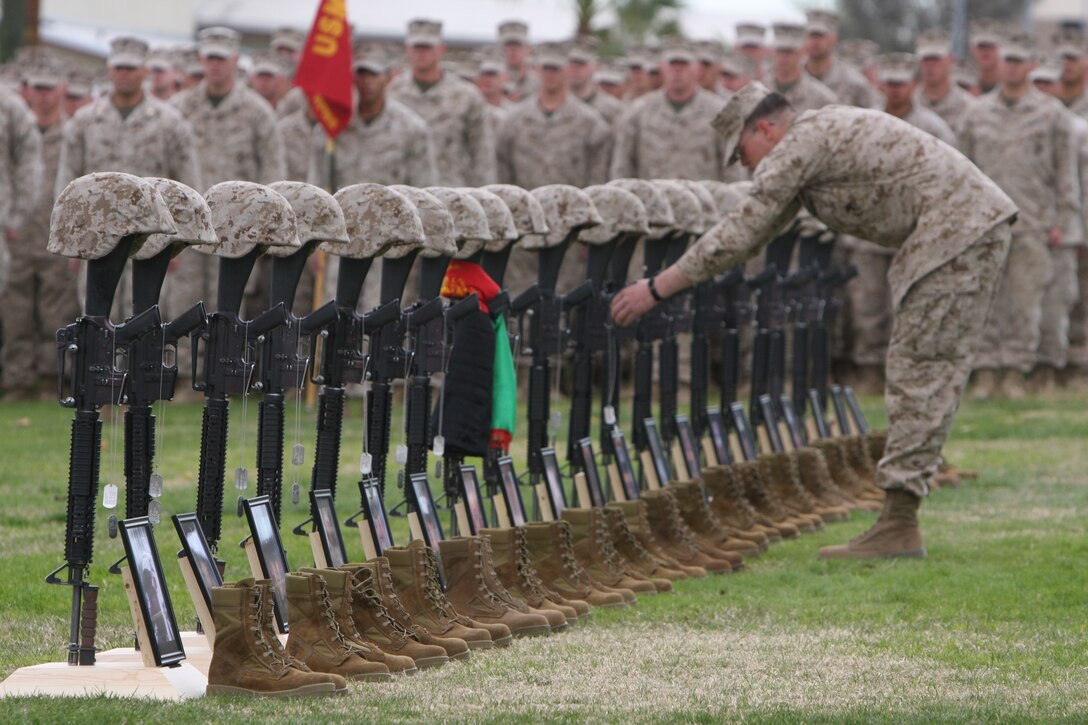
[324, 70]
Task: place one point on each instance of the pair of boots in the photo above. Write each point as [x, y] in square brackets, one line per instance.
[782, 474]
[594, 550]
[693, 501]
[732, 507]
[660, 526]
[550, 549]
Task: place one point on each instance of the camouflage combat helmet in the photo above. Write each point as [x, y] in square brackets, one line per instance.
[96, 211]
[567, 210]
[686, 210]
[440, 238]
[469, 220]
[622, 212]
[658, 211]
[526, 210]
[499, 219]
[318, 217]
[727, 196]
[709, 207]
[192, 218]
[248, 216]
[378, 219]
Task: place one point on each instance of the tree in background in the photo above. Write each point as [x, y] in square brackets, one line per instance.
[636, 22]
[893, 25]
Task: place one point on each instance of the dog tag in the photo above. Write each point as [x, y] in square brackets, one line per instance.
[113, 526]
[366, 463]
[298, 454]
[109, 496]
[154, 486]
[241, 478]
[438, 445]
[294, 493]
[154, 512]
[609, 415]
[402, 454]
[556, 420]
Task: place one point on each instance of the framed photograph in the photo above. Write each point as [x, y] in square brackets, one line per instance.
[515, 509]
[624, 464]
[374, 509]
[470, 494]
[818, 413]
[149, 583]
[419, 491]
[839, 404]
[744, 430]
[657, 451]
[194, 547]
[269, 548]
[855, 410]
[553, 482]
[719, 436]
[793, 423]
[687, 446]
[770, 423]
[328, 528]
[593, 474]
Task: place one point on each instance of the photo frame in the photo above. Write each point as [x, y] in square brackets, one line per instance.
[719, 436]
[553, 482]
[511, 495]
[469, 484]
[856, 413]
[592, 473]
[793, 422]
[327, 527]
[419, 492]
[195, 549]
[688, 448]
[818, 413]
[370, 493]
[838, 403]
[657, 451]
[163, 636]
[770, 423]
[624, 464]
[265, 540]
[745, 434]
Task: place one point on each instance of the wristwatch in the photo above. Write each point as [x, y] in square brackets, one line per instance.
[653, 289]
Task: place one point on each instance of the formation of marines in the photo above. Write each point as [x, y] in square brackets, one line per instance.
[557, 113]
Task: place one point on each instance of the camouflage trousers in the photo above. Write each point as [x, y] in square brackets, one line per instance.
[870, 303]
[1078, 318]
[40, 298]
[1013, 331]
[937, 328]
[1058, 301]
[194, 278]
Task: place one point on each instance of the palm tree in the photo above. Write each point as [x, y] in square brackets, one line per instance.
[640, 21]
[585, 11]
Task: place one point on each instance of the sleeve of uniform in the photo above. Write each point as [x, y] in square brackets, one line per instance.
[423, 168]
[504, 150]
[624, 151]
[599, 149]
[271, 153]
[772, 204]
[26, 152]
[481, 146]
[70, 160]
[186, 165]
[1067, 181]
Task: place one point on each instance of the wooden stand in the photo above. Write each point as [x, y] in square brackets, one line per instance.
[735, 447]
[500, 511]
[679, 463]
[764, 439]
[709, 453]
[207, 623]
[370, 549]
[543, 502]
[461, 513]
[649, 471]
[616, 481]
[584, 499]
[786, 436]
[415, 527]
[254, 559]
[813, 432]
[142, 637]
[320, 561]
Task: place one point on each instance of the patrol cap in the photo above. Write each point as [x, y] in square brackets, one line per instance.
[79, 83]
[424, 32]
[500, 221]
[367, 57]
[268, 62]
[896, 67]
[95, 212]
[687, 212]
[821, 22]
[1046, 72]
[621, 213]
[191, 215]
[189, 60]
[985, 31]
[706, 201]
[637, 58]
[727, 196]
[161, 60]
[788, 36]
[318, 218]
[1069, 43]
[513, 31]
[658, 212]
[526, 210]
[738, 64]
[127, 52]
[218, 42]
[583, 50]
[550, 55]
[1019, 46]
[378, 219]
[750, 35]
[677, 50]
[469, 220]
[45, 74]
[567, 210]
[439, 236]
[709, 52]
[247, 216]
[491, 63]
[730, 120]
[609, 74]
[860, 53]
[932, 44]
[288, 39]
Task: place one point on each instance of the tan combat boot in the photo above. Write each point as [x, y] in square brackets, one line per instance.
[664, 518]
[985, 385]
[877, 439]
[415, 580]
[781, 485]
[516, 574]
[844, 476]
[372, 620]
[551, 552]
[728, 503]
[707, 528]
[637, 519]
[791, 491]
[338, 584]
[895, 533]
[633, 553]
[754, 475]
[815, 478]
[468, 590]
[557, 620]
[614, 529]
[243, 660]
[382, 581]
[594, 551]
[315, 637]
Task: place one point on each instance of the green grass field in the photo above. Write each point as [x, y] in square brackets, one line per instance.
[993, 626]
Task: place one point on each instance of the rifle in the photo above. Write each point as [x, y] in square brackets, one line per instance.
[736, 314]
[828, 310]
[228, 346]
[763, 284]
[93, 342]
[610, 384]
[654, 325]
[680, 320]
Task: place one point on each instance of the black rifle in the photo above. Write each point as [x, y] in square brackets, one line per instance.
[653, 326]
[679, 320]
[229, 345]
[92, 342]
[736, 315]
[617, 336]
[763, 284]
[829, 308]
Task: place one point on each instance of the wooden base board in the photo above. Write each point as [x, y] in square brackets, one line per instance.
[618, 494]
[119, 677]
[543, 502]
[318, 551]
[649, 471]
[463, 527]
[582, 489]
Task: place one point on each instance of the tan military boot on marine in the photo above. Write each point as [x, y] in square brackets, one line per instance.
[372, 621]
[415, 580]
[243, 661]
[517, 576]
[315, 637]
[338, 583]
[551, 551]
[382, 581]
[468, 590]
[895, 533]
